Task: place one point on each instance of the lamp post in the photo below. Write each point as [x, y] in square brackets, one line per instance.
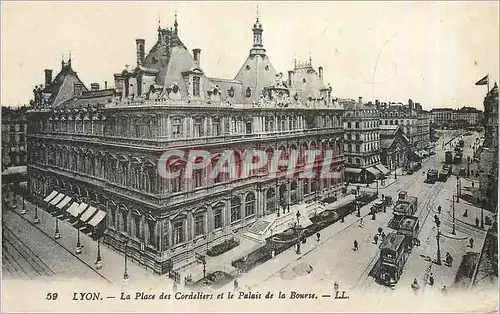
[458, 189]
[36, 219]
[377, 187]
[298, 232]
[482, 218]
[78, 248]
[125, 274]
[468, 166]
[23, 210]
[453, 210]
[98, 261]
[438, 254]
[57, 234]
[358, 207]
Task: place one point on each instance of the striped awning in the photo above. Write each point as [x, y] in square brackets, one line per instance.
[51, 196]
[97, 218]
[373, 171]
[382, 168]
[64, 202]
[80, 209]
[353, 170]
[73, 209]
[88, 213]
[57, 199]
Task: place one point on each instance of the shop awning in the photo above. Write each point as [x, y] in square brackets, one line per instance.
[80, 209]
[353, 170]
[341, 202]
[64, 202]
[57, 199]
[88, 213]
[51, 196]
[373, 171]
[97, 218]
[73, 209]
[383, 169]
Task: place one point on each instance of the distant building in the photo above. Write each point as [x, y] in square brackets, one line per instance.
[449, 116]
[362, 142]
[394, 146]
[13, 144]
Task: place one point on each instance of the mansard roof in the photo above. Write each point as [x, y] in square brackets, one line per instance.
[256, 73]
[62, 87]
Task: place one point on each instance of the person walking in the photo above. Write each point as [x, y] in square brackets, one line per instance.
[235, 284]
[439, 209]
[415, 286]
[375, 239]
[336, 287]
[444, 290]
[317, 237]
[477, 222]
[471, 241]
[361, 223]
[431, 279]
[355, 245]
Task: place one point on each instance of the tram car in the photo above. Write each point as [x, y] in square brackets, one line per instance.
[393, 257]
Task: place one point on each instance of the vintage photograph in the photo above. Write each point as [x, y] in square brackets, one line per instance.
[250, 156]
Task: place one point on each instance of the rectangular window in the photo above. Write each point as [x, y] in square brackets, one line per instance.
[198, 128]
[197, 178]
[235, 213]
[196, 86]
[178, 233]
[216, 127]
[218, 219]
[176, 128]
[199, 225]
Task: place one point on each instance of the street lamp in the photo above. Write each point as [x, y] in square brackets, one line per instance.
[359, 207]
[125, 274]
[458, 189]
[23, 211]
[98, 261]
[36, 219]
[468, 166]
[298, 232]
[453, 210]
[377, 187]
[438, 255]
[78, 248]
[57, 234]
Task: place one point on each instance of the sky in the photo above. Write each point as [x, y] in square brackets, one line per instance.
[431, 52]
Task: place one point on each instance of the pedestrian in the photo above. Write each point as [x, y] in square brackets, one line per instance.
[471, 241]
[380, 230]
[355, 245]
[317, 237]
[375, 239]
[444, 290]
[382, 236]
[439, 209]
[235, 284]
[174, 288]
[431, 279]
[336, 287]
[415, 286]
[477, 222]
[361, 223]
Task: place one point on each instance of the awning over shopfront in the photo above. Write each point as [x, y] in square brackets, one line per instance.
[80, 209]
[64, 202]
[73, 209]
[353, 170]
[51, 196]
[97, 218]
[88, 213]
[383, 169]
[373, 171]
[341, 202]
[57, 199]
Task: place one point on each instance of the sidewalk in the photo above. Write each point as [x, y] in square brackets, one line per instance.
[113, 262]
[265, 271]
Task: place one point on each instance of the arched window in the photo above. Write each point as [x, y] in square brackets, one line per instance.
[270, 201]
[235, 209]
[250, 205]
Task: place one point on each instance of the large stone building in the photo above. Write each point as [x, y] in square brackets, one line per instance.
[13, 137]
[102, 147]
[414, 122]
[448, 116]
[362, 142]
[394, 146]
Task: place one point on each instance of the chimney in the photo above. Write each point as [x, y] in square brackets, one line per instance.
[48, 77]
[360, 100]
[94, 87]
[290, 76]
[320, 72]
[197, 55]
[105, 84]
[139, 44]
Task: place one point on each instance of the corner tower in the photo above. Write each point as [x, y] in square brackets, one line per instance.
[257, 72]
